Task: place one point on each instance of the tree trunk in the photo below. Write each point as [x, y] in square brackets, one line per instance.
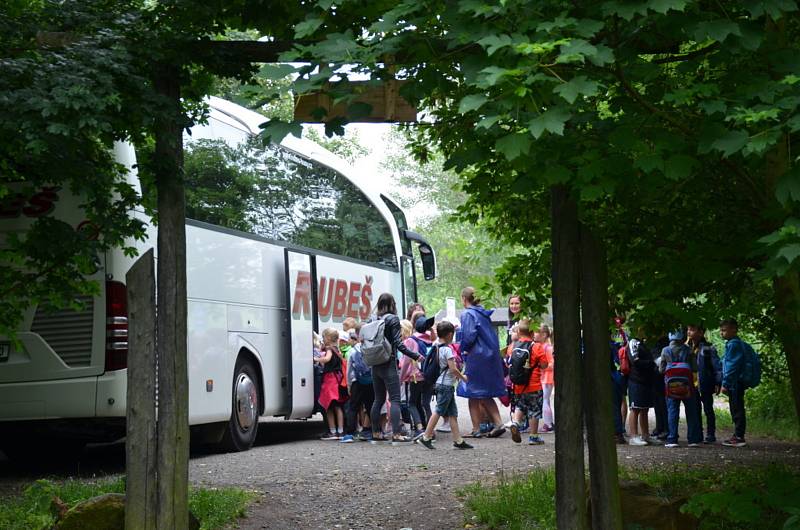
[606, 508]
[140, 443]
[570, 481]
[787, 317]
[173, 387]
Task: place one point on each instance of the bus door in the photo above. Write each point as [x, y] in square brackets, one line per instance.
[409, 278]
[301, 299]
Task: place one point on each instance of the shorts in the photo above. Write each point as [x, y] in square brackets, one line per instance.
[446, 401]
[531, 403]
[640, 396]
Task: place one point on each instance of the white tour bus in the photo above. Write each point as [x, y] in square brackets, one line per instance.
[298, 244]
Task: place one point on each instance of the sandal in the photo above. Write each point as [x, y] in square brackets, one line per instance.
[474, 434]
[401, 438]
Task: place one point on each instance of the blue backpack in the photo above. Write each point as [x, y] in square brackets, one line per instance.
[751, 367]
[430, 366]
[362, 372]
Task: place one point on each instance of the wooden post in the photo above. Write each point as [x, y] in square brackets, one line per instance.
[173, 386]
[570, 482]
[606, 509]
[140, 443]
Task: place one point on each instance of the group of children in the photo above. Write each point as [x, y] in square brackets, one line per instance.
[685, 371]
[346, 395]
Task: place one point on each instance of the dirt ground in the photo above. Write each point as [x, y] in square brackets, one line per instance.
[303, 482]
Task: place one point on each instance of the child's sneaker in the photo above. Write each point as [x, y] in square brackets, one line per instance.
[329, 437]
[418, 435]
[535, 440]
[525, 427]
[484, 428]
[546, 429]
[461, 445]
[423, 441]
[497, 432]
[347, 439]
[515, 436]
[734, 442]
[710, 440]
[443, 428]
[637, 440]
[671, 445]
[364, 436]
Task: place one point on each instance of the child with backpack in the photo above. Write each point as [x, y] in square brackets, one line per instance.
[679, 368]
[412, 379]
[359, 387]
[528, 358]
[332, 394]
[741, 369]
[441, 366]
[709, 378]
[642, 370]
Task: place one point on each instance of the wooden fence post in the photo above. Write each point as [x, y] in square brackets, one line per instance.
[140, 446]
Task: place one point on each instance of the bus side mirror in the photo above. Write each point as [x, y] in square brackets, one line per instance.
[428, 261]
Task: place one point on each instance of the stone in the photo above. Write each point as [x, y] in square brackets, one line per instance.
[106, 512]
[641, 506]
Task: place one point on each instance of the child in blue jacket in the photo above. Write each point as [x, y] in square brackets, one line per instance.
[709, 378]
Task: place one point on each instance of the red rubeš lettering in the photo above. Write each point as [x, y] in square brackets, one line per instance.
[340, 300]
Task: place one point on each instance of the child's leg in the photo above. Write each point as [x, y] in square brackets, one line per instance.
[431, 425]
[415, 405]
[644, 421]
[331, 417]
[454, 429]
[633, 423]
[547, 412]
[339, 418]
[517, 416]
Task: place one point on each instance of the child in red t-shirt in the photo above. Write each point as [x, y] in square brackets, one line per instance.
[530, 397]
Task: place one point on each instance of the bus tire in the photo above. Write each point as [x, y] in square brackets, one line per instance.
[242, 427]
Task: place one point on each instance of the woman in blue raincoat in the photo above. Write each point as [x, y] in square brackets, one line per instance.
[480, 349]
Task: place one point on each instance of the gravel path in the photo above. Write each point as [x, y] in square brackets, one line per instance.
[304, 482]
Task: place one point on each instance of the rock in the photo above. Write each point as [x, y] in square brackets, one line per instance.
[641, 506]
[106, 512]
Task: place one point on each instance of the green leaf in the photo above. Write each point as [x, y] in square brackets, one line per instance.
[713, 106]
[552, 120]
[488, 122]
[587, 27]
[576, 86]
[788, 187]
[514, 145]
[603, 56]
[679, 167]
[717, 30]
[575, 51]
[275, 131]
[471, 102]
[649, 163]
[625, 10]
[307, 27]
[731, 142]
[773, 8]
[493, 74]
[275, 72]
[662, 6]
[492, 43]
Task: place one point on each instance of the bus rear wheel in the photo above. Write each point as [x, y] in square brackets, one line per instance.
[242, 428]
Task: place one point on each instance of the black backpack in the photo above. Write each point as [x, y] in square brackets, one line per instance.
[520, 371]
[430, 366]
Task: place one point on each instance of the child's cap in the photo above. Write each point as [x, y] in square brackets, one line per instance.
[424, 324]
[343, 335]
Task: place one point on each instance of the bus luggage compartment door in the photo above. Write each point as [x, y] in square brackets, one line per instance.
[301, 302]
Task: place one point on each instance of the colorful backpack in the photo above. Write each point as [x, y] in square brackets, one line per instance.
[520, 370]
[678, 381]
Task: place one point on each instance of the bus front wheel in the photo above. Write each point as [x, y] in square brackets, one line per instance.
[242, 427]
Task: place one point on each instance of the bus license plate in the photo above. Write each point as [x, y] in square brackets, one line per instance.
[5, 351]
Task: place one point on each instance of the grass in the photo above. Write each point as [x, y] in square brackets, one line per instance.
[516, 503]
[743, 497]
[214, 508]
[785, 429]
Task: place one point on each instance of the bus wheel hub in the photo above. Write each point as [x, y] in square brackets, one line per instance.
[246, 411]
